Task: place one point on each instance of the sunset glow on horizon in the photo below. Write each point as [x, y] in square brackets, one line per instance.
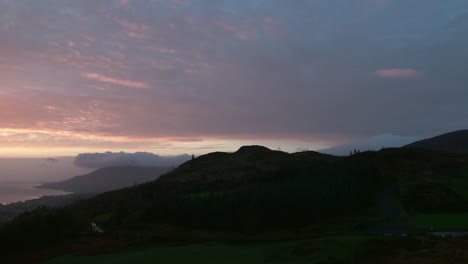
[181, 76]
[42, 143]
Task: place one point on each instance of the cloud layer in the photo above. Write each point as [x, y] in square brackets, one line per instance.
[139, 159]
[179, 74]
[399, 73]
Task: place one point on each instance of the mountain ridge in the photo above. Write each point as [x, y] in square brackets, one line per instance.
[107, 179]
[456, 141]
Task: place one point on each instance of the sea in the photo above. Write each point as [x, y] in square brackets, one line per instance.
[19, 192]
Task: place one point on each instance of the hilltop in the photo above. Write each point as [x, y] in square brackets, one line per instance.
[248, 164]
[456, 141]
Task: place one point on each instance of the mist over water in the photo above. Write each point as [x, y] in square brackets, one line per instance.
[18, 176]
[16, 192]
[38, 170]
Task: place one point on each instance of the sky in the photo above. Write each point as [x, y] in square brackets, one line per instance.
[195, 76]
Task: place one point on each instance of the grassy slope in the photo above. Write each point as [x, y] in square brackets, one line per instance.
[443, 221]
[449, 220]
[295, 252]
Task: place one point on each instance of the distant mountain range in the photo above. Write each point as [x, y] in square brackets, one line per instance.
[224, 167]
[107, 179]
[456, 141]
[372, 143]
[451, 142]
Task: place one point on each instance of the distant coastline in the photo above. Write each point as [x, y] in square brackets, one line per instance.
[11, 210]
[20, 192]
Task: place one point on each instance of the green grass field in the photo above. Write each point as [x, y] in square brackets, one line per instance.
[442, 221]
[456, 220]
[460, 187]
[297, 252]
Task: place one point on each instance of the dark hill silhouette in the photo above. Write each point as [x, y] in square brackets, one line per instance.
[107, 179]
[248, 164]
[252, 190]
[314, 155]
[252, 149]
[451, 142]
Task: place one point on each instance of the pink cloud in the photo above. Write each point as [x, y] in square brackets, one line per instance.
[268, 25]
[89, 38]
[158, 49]
[134, 30]
[236, 31]
[123, 3]
[131, 29]
[189, 19]
[135, 35]
[244, 36]
[127, 25]
[226, 26]
[105, 79]
[398, 73]
[182, 3]
[76, 59]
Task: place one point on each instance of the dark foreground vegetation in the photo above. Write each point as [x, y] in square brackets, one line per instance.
[268, 205]
[10, 211]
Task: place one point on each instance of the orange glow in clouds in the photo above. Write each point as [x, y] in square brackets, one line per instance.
[105, 79]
